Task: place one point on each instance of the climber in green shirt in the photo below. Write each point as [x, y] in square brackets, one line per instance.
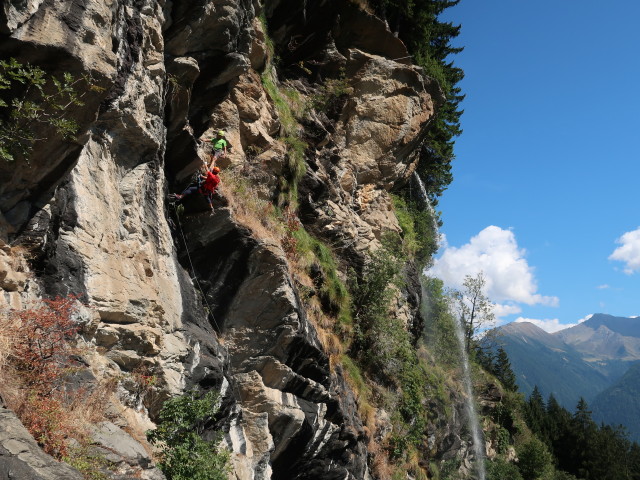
[219, 146]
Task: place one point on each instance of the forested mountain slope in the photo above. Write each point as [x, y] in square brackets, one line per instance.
[619, 405]
[542, 359]
[595, 360]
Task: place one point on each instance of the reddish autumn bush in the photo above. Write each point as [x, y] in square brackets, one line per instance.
[39, 358]
[42, 347]
[47, 421]
[289, 240]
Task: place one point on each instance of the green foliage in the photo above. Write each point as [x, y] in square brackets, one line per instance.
[411, 418]
[498, 365]
[330, 93]
[92, 466]
[184, 454]
[372, 294]
[440, 331]
[473, 308]
[560, 445]
[500, 469]
[534, 460]
[267, 39]
[504, 372]
[508, 413]
[449, 470]
[383, 346]
[296, 163]
[288, 121]
[375, 340]
[419, 232]
[359, 382]
[560, 475]
[503, 440]
[296, 168]
[34, 102]
[535, 413]
[332, 291]
[581, 448]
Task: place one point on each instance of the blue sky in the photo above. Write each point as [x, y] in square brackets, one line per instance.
[547, 168]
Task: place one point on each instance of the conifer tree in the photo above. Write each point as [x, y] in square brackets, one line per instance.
[503, 371]
[582, 416]
[582, 449]
[536, 411]
[583, 430]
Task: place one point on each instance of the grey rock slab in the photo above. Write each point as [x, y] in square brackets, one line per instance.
[22, 459]
[121, 444]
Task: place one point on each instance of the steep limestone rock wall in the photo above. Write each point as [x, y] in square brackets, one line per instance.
[203, 299]
[278, 369]
[100, 230]
[365, 142]
[78, 39]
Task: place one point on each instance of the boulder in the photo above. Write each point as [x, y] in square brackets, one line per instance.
[22, 459]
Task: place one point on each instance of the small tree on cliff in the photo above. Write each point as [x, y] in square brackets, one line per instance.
[31, 102]
[184, 453]
[473, 307]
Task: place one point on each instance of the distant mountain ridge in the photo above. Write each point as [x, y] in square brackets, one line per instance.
[598, 359]
[627, 326]
[605, 337]
[540, 358]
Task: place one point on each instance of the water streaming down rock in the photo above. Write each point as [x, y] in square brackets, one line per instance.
[422, 193]
[474, 424]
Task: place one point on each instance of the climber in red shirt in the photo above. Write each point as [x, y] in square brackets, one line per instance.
[207, 184]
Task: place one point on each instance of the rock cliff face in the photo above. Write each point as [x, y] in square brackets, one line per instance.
[206, 299]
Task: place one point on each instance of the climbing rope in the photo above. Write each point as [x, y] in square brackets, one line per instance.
[234, 387]
[193, 270]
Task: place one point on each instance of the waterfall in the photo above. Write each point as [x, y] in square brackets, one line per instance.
[427, 203]
[474, 423]
[423, 191]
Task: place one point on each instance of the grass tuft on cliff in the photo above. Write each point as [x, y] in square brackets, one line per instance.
[287, 102]
[419, 229]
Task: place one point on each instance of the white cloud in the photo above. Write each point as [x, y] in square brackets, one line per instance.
[585, 318]
[628, 251]
[442, 241]
[495, 252]
[603, 287]
[502, 310]
[548, 325]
